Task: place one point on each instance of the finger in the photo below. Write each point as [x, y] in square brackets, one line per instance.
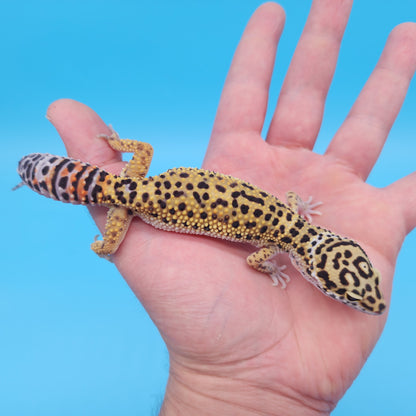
[243, 103]
[361, 137]
[299, 111]
[79, 127]
[402, 193]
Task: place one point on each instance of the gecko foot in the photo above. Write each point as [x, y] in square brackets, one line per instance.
[307, 208]
[278, 276]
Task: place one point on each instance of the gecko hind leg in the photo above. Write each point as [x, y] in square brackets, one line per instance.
[117, 224]
[139, 164]
[119, 218]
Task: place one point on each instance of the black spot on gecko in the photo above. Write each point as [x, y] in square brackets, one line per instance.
[177, 194]
[70, 166]
[197, 197]
[166, 183]
[252, 198]
[98, 189]
[132, 196]
[299, 224]
[220, 188]
[322, 263]
[305, 238]
[258, 213]
[293, 232]
[222, 202]
[203, 185]
[189, 186]
[235, 194]
[301, 251]
[335, 261]
[63, 181]
[182, 206]
[184, 175]
[244, 209]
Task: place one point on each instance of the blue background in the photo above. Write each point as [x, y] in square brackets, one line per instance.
[74, 339]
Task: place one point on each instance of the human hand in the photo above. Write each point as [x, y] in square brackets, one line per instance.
[237, 344]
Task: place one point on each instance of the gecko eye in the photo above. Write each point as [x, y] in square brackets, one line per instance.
[353, 297]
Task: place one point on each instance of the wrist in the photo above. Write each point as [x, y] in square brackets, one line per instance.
[190, 394]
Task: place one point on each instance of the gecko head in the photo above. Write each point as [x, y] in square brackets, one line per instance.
[341, 269]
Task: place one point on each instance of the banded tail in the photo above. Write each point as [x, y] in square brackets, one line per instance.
[62, 178]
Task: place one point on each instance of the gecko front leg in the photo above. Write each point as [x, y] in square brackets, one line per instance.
[260, 260]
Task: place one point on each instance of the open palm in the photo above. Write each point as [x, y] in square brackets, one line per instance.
[233, 338]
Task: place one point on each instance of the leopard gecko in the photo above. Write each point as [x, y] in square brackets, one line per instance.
[198, 201]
